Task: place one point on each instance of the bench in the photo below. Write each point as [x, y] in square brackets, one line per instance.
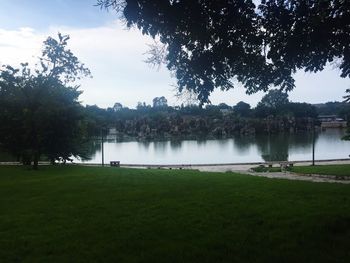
[285, 165]
[115, 163]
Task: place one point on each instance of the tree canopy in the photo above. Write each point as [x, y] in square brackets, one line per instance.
[160, 102]
[274, 99]
[39, 112]
[212, 44]
[242, 108]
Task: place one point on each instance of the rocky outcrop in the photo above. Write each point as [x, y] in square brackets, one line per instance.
[194, 126]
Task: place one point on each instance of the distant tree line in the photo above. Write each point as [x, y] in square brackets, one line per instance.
[273, 114]
[41, 116]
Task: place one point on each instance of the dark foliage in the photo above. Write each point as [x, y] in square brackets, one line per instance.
[210, 44]
[39, 113]
[193, 121]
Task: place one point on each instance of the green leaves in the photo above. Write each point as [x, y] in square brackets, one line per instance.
[211, 43]
[39, 111]
[59, 62]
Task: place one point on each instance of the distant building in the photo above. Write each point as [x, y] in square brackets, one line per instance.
[331, 121]
[327, 118]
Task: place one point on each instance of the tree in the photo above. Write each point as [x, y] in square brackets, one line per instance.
[347, 100]
[117, 106]
[208, 44]
[242, 109]
[274, 99]
[160, 102]
[39, 112]
[302, 110]
[275, 102]
[223, 106]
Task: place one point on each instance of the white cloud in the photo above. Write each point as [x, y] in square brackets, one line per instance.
[22, 45]
[320, 87]
[116, 57]
[113, 53]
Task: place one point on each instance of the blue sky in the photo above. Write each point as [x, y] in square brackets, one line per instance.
[40, 14]
[116, 55]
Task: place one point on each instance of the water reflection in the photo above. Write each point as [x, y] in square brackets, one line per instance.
[273, 148]
[223, 142]
[277, 147]
[244, 143]
[201, 142]
[280, 147]
[91, 149]
[160, 147]
[144, 144]
[176, 145]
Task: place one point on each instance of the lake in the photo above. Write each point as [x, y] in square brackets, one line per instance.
[240, 149]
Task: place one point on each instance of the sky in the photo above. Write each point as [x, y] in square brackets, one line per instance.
[115, 55]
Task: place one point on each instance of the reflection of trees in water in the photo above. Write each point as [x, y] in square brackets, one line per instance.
[175, 145]
[273, 147]
[276, 147]
[302, 141]
[223, 142]
[87, 151]
[201, 142]
[93, 147]
[160, 146]
[333, 134]
[243, 143]
[144, 144]
[90, 149]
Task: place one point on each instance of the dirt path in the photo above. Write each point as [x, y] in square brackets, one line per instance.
[245, 169]
[301, 177]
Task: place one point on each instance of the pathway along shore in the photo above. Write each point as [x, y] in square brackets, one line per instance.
[245, 168]
[242, 168]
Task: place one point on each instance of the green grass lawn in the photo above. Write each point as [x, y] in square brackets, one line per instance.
[85, 214]
[339, 170]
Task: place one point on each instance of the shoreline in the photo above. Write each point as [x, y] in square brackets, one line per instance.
[207, 166]
[241, 168]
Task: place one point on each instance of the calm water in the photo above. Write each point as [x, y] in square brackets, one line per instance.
[328, 145]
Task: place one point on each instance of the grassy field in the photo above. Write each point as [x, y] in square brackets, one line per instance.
[339, 170]
[85, 214]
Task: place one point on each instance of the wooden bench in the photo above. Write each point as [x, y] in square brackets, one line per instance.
[115, 163]
[285, 165]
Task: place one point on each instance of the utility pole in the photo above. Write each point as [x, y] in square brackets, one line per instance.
[103, 156]
[313, 143]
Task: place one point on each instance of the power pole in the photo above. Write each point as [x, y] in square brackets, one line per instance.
[103, 156]
[313, 143]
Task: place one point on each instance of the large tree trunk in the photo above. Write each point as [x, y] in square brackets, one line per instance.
[36, 161]
[26, 158]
